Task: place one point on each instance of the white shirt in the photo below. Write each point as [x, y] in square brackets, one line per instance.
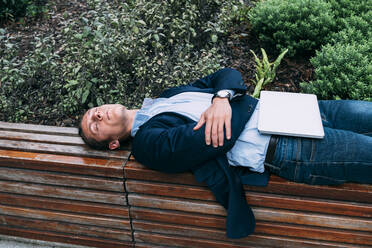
[251, 146]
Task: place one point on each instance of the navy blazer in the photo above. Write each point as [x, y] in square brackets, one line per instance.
[168, 143]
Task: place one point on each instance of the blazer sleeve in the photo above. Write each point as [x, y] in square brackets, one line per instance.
[226, 78]
[168, 143]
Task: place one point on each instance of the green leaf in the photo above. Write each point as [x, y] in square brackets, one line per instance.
[78, 36]
[142, 22]
[76, 69]
[85, 96]
[71, 83]
[99, 101]
[156, 37]
[214, 38]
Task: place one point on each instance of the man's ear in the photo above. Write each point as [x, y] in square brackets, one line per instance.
[114, 144]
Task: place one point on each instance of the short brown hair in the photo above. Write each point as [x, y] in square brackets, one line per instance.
[92, 143]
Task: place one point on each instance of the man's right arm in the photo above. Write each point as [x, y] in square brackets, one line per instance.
[217, 118]
[168, 143]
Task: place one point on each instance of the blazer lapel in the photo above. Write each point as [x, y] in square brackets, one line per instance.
[184, 88]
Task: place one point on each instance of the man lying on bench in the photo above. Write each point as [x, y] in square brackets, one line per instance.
[209, 127]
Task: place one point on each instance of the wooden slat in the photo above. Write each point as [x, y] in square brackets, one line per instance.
[38, 128]
[348, 192]
[79, 207]
[299, 218]
[166, 189]
[193, 206]
[63, 238]
[61, 179]
[135, 170]
[178, 217]
[67, 228]
[254, 199]
[63, 192]
[65, 217]
[144, 245]
[263, 214]
[256, 241]
[61, 149]
[49, 138]
[62, 163]
[44, 138]
[321, 234]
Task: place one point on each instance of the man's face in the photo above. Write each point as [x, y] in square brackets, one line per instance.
[106, 122]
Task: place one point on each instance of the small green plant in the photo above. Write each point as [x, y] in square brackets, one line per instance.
[265, 71]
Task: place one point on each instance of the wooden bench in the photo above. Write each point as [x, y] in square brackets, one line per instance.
[54, 188]
[175, 210]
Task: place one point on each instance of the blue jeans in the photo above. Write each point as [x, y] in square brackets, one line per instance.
[343, 155]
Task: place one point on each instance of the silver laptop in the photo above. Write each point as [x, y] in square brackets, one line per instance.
[291, 114]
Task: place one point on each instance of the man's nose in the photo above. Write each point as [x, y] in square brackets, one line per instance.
[98, 115]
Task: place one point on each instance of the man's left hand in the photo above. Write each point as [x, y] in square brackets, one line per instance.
[216, 118]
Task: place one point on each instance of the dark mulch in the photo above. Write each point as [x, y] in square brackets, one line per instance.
[26, 31]
[290, 73]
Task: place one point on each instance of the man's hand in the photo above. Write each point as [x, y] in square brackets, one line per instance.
[216, 118]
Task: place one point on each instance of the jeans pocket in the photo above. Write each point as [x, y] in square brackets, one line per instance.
[323, 180]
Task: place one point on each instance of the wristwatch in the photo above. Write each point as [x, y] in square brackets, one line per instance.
[222, 94]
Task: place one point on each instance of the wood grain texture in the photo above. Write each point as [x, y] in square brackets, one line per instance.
[193, 206]
[63, 192]
[346, 192]
[135, 170]
[44, 138]
[31, 128]
[146, 245]
[61, 179]
[275, 229]
[262, 214]
[65, 205]
[64, 238]
[67, 228]
[63, 163]
[253, 198]
[84, 151]
[178, 217]
[64, 217]
[256, 241]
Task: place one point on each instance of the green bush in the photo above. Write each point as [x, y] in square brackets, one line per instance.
[343, 71]
[13, 9]
[346, 8]
[302, 26]
[356, 29]
[116, 52]
[30, 90]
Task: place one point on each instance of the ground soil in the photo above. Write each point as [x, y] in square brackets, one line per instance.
[239, 42]
[289, 74]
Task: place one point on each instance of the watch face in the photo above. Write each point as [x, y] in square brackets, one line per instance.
[223, 94]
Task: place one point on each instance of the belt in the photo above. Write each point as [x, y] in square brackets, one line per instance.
[271, 149]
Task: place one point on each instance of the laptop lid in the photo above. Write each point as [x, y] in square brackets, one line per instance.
[290, 114]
